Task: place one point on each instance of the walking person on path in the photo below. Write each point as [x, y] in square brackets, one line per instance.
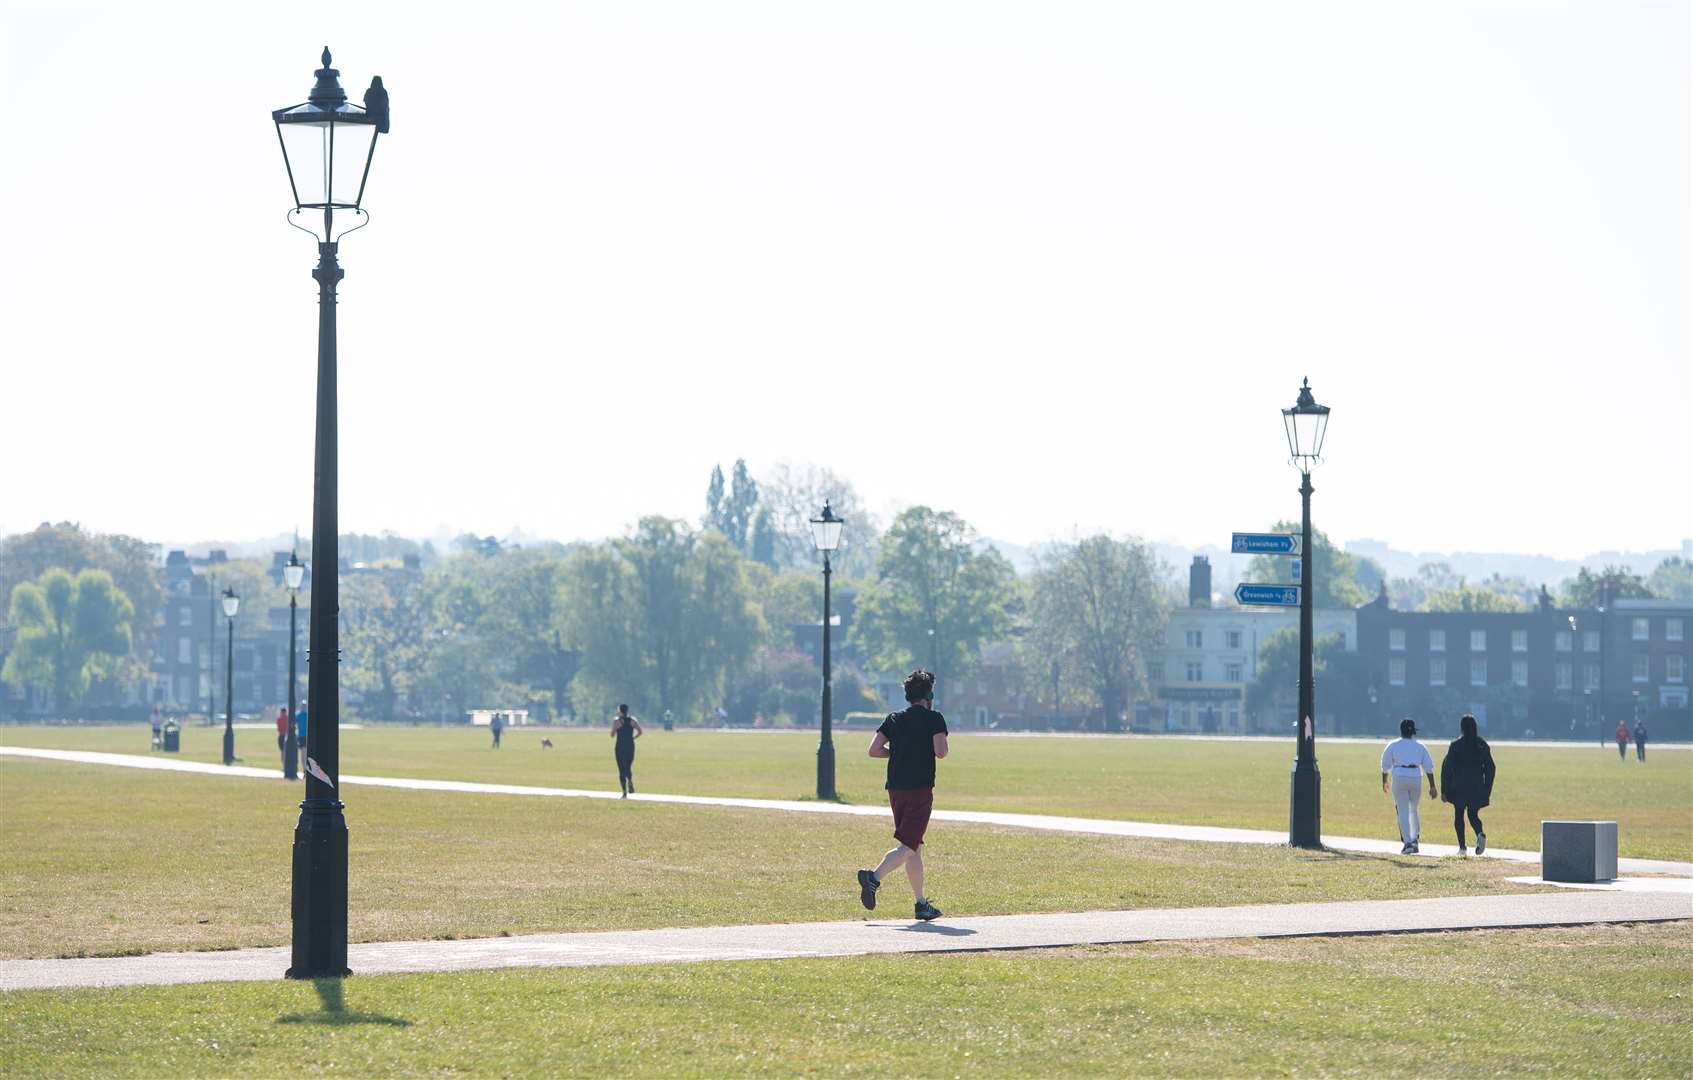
[158, 727]
[1640, 739]
[1466, 776]
[911, 741]
[497, 725]
[1622, 737]
[625, 729]
[1406, 761]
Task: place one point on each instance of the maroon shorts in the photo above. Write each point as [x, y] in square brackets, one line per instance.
[911, 814]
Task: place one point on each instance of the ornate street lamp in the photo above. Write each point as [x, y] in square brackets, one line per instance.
[826, 535]
[293, 575]
[328, 144]
[231, 604]
[1306, 423]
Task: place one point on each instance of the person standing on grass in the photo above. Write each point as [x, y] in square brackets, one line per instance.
[497, 724]
[1466, 776]
[1640, 739]
[1622, 737]
[911, 741]
[300, 735]
[625, 729]
[1406, 761]
[158, 727]
[282, 736]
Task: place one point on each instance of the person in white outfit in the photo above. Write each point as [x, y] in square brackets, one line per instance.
[1404, 764]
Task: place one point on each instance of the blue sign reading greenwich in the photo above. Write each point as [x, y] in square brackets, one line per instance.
[1265, 544]
[1270, 595]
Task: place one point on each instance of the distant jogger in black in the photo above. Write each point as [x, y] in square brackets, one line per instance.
[625, 729]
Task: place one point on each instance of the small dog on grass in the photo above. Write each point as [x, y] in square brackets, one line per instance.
[546, 744]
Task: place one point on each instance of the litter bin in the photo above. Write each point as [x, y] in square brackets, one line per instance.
[173, 737]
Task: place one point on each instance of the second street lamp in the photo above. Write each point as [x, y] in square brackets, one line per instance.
[826, 535]
[231, 604]
[293, 575]
[1306, 423]
[328, 144]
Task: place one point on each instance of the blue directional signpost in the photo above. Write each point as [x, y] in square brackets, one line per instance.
[1267, 595]
[1265, 544]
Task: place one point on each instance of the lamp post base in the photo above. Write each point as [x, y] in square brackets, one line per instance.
[228, 747]
[320, 893]
[826, 770]
[1304, 815]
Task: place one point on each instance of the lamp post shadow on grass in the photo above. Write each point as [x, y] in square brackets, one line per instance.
[331, 994]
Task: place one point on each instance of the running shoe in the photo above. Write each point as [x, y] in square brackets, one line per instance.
[867, 886]
[927, 912]
[1480, 842]
[1405, 848]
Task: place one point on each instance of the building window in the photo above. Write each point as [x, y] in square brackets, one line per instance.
[1642, 629]
[1478, 672]
[1437, 671]
[1437, 641]
[1232, 637]
[182, 689]
[1674, 668]
[1195, 670]
[1519, 641]
[185, 650]
[1396, 639]
[1672, 629]
[1590, 641]
[1563, 641]
[1642, 668]
[1519, 672]
[1592, 682]
[1155, 671]
[1196, 639]
[1563, 674]
[1396, 671]
[1478, 640]
[1231, 673]
[185, 617]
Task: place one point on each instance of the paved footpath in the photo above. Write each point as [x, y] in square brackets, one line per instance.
[1044, 822]
[877, 935]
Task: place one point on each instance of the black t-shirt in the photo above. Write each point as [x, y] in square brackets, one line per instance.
[911, 744]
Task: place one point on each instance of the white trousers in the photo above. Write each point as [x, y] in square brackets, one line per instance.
[1407, 793]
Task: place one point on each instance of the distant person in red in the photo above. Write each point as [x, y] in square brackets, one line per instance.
[1623, 737]
[911, 741]
[282, 732]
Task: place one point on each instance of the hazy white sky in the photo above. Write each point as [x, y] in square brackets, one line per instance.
[1050, 265]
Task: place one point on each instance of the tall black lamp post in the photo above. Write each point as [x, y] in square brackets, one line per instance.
[293, 575]
[327, 147]
[1306, 423]
[231, 604]
[826, 534]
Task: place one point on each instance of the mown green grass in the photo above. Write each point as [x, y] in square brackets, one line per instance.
[100, 860]
[1604, 1001]
[1186, 781]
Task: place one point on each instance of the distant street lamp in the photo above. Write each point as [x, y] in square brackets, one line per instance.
[826, 535]
[231, 604]
[293, 575]
[327, 147]
[1575, 670]
[1306, 424]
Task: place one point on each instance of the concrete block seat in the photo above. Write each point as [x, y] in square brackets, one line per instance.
[1580, 851]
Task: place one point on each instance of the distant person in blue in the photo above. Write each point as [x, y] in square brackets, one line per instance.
[497, 725]
[300, 732]
[1405, 762]
[1466, 776]
[1640, 739]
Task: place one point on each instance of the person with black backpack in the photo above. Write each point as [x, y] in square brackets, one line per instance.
[1466, 777]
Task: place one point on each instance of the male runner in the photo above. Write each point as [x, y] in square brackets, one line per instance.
[911, 741]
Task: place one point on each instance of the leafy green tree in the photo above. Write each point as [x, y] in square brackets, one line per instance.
[741, 508]
[383, 636]
[763, 544]
[1341, 677]
[1617, 582]
[1672, 579]
[1464, 597]
[69, 629]
[1098, 606]
[715, 514]
[1334, 575]
[936, 599]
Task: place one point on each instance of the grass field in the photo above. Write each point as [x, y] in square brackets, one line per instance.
[1195, 782]
[97, 860]
[1498, 1002]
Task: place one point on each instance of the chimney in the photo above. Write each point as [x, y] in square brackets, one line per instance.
[1199, 583]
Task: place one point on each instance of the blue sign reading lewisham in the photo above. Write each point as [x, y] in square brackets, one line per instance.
[1265, 544]
[1270, 595]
